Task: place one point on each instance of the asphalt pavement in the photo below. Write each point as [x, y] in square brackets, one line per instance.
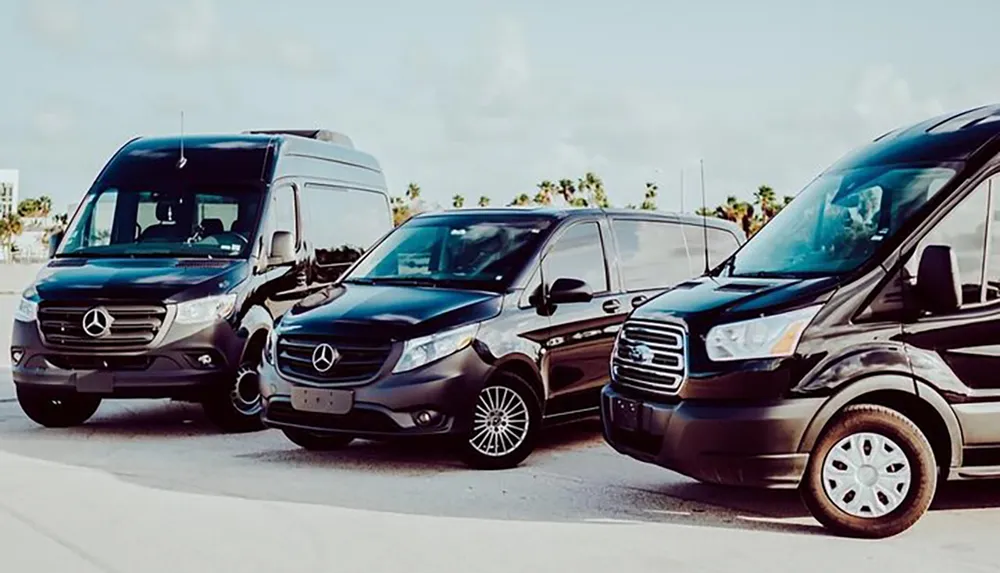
[150, 486]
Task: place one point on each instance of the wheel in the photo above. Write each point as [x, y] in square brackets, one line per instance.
[505, 425]
[872, 474]
[57, 411]
[236, 407]
[317, 442]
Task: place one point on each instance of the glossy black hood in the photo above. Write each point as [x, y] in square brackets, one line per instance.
[388, 312]
[151, 279]
[713, 299]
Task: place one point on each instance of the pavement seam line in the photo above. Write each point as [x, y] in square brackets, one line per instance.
[72, 548]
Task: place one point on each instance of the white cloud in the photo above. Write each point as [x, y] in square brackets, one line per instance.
[56, 22]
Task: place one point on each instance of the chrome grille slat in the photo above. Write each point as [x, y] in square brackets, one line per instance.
[359, 361]
[664, 368]
[134, 325]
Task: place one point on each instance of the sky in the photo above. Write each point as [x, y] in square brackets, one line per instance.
[489, 98]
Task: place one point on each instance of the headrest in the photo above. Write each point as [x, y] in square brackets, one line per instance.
[212, 226]
[164, 211]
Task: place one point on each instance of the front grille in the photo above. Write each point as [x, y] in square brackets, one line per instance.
[131, 325]
[650, 356]
[357, 361]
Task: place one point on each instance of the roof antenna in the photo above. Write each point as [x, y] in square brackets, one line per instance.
[183, 160]
[704, 213]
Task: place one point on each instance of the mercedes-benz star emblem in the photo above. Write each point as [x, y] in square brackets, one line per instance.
[642, 354]
[324, 357]
[97, 322]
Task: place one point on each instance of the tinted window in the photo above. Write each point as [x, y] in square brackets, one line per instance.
[342, 223]
[839, 220]
[578, 254]
[964, 230]
[652, 253]
[453, 251]
[166, 219]
[721, 244]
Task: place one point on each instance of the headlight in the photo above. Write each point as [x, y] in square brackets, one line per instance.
[27, 310]
[421, 351]
[767, 337]
[206, 309]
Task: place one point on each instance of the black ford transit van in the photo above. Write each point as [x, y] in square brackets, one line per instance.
[479, 324]
[849, 349]
[178, 260]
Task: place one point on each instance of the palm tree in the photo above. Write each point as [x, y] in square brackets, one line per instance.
[484, 201]
[740, 212]
[766, 199]
[10, 227]
[44, 205]
[401, 211]
[567, 190]
[649, 200]
[457, 201]
[593, 188]
[521, 200]
[413, 192]
[27, 207]
[546, 190]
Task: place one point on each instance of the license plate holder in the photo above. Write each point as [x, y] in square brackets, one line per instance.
[625, 413]
[322, 400]
[95, 382]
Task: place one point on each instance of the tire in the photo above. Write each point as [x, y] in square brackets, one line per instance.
[506, 421]
[57, 411]
[317, 442]
[833, 474]
[236, 407]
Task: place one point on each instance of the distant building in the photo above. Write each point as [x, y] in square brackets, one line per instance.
[8, 191]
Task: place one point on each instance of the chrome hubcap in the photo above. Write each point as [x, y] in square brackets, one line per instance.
[866, 475]
[500, 424]
[245, 394]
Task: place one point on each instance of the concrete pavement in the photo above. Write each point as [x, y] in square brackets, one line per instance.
[60, 518]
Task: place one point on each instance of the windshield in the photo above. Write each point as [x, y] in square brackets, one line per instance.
[453, 251]
[213, 221]
[838, 221]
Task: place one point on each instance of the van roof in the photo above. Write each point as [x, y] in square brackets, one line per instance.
[961, 136]
[301, 142]
[576, 212]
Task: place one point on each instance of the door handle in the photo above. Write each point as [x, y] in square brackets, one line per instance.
[639, 300]
[611, 306]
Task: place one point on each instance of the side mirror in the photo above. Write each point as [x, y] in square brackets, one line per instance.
[566, 291]
[937, 280]
[282, 249]
[54, 241]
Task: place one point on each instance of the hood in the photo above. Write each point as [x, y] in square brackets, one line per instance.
[166, 280]
[733, 298]
[388, 312]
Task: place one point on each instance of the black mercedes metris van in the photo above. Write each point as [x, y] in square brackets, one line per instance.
[849, 349]
[178, 260]
[479, 324]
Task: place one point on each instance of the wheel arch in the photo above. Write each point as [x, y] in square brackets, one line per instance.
[255, 328]
[525, 369]
[915, 400]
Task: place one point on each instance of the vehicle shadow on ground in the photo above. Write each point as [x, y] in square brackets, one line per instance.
[129, 420]
[425, 455]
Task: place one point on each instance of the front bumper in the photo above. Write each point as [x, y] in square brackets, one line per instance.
[749, 444]
[168, 368]
[387, 406]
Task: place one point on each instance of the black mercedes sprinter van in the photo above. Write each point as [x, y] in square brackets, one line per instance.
[849, 349]
[479, 324]
[178, 260]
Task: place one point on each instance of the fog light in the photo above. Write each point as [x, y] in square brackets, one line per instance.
[16, 355]
[425, 417]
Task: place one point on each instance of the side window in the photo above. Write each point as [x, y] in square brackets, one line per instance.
[283, 216]
[652, 253]
[964, 230]
[721, 244]
[578, 254]
[342, 223]
[99, 231]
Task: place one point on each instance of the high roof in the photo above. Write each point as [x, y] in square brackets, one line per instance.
[967, 135]
[558, 212]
